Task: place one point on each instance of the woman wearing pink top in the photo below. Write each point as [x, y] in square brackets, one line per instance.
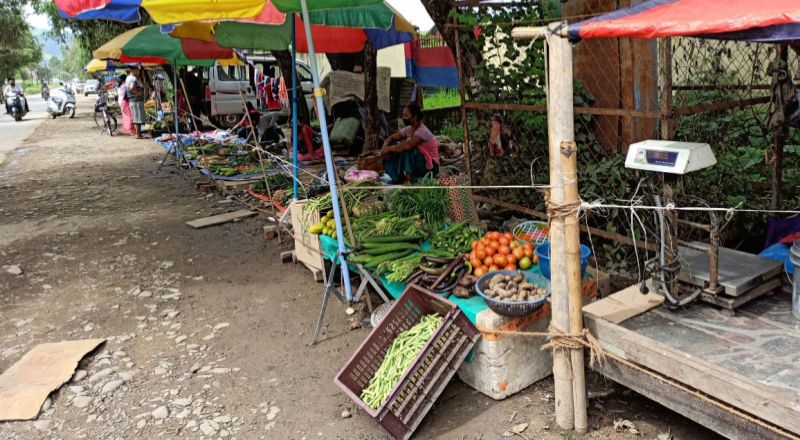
[125, 106]
[412, 152]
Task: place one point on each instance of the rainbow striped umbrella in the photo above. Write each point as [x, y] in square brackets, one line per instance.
[176, 11]
[147, 44]
[333, 31]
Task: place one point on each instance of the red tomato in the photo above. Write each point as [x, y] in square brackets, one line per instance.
[528, 252]
[511, 259]
[474, 245]
[475, 262]
[518, 253]
[479, 271]
[488, 261]
[490, 251]
[504, 241]
[480, 254]
[493, 268]
[500, 260]
[508, 235]
[510, 267]
[505, 250]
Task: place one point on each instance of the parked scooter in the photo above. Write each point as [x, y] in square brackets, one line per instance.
[16, 106]
[62, 102]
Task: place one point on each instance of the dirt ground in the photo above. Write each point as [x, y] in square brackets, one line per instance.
[207, 331]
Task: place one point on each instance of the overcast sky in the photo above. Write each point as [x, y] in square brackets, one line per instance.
[412, 10]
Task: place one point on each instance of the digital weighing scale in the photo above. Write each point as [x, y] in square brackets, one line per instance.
[688, 271]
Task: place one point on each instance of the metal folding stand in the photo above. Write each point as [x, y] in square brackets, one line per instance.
[366, 280]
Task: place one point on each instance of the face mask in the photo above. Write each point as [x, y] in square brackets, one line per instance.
[407, 122]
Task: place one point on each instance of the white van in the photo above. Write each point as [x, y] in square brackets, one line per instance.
[223, 84]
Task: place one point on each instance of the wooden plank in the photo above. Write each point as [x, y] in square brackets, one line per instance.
[625, 304]
[220, 219]
[661, 389]
[732, 303]
[597, 111]
[235, 183]
[768, 403]
[718, 106]
[27, 383]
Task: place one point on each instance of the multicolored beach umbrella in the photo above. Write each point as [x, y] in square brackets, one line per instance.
[147, 44]
[334, 30]
[176, 11]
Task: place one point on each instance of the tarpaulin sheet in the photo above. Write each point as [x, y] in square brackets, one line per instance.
[747, 20]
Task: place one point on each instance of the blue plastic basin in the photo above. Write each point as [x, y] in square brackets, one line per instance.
[543, 252]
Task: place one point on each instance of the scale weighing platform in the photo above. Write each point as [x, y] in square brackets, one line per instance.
[742, 276]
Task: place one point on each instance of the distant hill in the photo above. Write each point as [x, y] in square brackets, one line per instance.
[50, 46]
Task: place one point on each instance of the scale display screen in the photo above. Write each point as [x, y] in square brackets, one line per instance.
[660, 157]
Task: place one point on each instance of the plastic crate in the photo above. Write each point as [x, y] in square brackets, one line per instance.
[420, 386]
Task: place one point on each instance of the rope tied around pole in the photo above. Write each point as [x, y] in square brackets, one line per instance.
[560, 210]
[563, 341]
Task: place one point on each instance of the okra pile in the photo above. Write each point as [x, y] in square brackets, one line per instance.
[404, 349]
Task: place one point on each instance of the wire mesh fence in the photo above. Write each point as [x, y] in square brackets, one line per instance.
[714, 91]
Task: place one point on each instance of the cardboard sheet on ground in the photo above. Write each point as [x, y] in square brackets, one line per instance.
[625, 304]
[26, 384]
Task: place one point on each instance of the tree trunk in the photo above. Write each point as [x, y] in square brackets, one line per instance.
[284, 58]
[346, 61]
[371, 115]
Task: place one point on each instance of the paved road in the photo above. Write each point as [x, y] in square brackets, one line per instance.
[13, 133]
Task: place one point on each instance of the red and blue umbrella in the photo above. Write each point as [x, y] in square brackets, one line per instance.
[772, 21]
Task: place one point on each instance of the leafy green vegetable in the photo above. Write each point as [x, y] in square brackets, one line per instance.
[428, 203]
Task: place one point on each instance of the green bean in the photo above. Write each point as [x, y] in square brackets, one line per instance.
[401, 353]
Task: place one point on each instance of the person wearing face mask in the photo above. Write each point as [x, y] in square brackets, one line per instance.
[412, 152]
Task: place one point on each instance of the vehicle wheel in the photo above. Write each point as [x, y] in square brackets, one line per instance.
[111, 125]
[85, 94]
[229, 121]
[98, 120]
[53, 116]
[71, 112]
[17, 117]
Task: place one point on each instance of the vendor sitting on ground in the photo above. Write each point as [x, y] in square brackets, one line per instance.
[412, 152]
[242, 129]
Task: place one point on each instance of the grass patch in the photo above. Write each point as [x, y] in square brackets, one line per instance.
[441, 98]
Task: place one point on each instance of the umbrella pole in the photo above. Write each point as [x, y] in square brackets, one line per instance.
[177, 143]
[326, 145]
[294, 107]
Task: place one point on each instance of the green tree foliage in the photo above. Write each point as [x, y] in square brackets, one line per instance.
[18, 47]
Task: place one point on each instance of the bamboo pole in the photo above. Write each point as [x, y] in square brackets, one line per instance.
[462, 94]
[257, 147]
[560, 127]
[665, 101]
[778, 145]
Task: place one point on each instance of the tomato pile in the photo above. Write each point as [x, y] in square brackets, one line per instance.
[500, 251]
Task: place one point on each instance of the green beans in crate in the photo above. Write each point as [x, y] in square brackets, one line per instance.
[411, 397]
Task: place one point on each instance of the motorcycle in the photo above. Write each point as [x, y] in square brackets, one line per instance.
[61, 103]
[16, 106]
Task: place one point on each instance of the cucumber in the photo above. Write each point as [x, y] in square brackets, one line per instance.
[385, 248]
[392, 239]
[376, 260]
